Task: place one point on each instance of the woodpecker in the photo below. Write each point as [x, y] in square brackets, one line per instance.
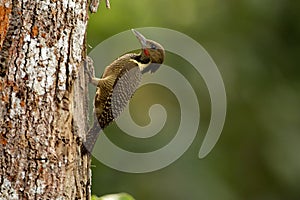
[119, 82]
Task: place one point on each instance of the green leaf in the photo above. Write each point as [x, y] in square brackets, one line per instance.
[121, 196]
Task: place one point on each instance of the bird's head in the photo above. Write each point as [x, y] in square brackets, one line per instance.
[151, 50]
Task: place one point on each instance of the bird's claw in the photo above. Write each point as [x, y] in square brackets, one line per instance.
[89, 68]
[90, 71]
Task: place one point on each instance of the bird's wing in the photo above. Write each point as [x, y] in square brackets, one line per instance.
[124, 89]
[114, 92]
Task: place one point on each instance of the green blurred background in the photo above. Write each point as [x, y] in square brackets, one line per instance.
[256, 46]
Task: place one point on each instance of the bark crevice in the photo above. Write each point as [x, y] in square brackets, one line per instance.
[43, 98]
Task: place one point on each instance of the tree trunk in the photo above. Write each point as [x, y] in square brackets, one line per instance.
[43, 103]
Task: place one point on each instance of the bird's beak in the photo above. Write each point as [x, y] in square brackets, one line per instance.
[141, 38]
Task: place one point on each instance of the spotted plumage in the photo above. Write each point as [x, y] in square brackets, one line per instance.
[119, 82]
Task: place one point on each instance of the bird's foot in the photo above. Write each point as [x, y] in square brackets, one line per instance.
[90, 70]
[89, 67]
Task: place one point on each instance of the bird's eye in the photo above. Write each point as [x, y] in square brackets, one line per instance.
[153, 46]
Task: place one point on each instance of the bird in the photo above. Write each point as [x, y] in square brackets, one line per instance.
[118, 83]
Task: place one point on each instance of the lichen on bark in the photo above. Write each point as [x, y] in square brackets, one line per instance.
[41, 76]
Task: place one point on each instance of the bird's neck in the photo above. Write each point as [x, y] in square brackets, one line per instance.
[144, 63]
[142, 58]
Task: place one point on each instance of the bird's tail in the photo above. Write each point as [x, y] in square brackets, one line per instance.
[91, 137]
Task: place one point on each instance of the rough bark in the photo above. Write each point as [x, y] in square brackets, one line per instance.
[42, 107]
